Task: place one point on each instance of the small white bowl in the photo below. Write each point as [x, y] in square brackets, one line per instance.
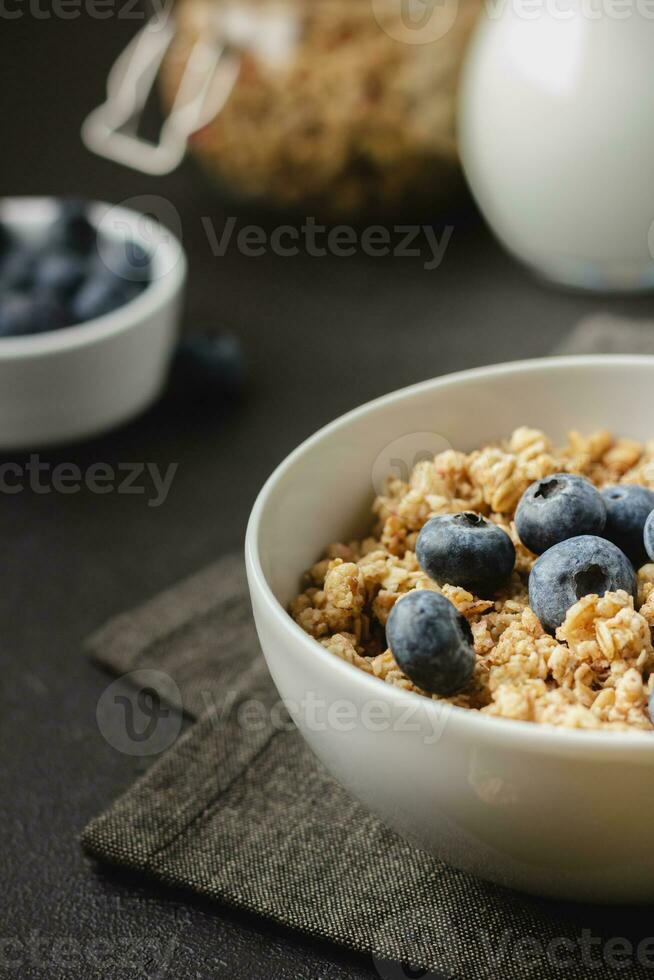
[81, 380]
[546, 810]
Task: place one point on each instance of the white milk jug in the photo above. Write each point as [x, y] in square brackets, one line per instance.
[556, 130]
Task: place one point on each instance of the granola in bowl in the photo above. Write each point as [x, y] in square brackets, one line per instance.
[595, 670]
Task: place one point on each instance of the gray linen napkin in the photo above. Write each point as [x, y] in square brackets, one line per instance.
[239, 810]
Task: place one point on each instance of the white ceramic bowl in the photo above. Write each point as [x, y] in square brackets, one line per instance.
[81, 380]
[546, 810]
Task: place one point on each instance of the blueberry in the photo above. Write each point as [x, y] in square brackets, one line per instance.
[207, 364]
[101, 294]
[17, 271]
[466, 550]
[60, 271]
[431, 642]
[6, 241]
[16, 310]
[558, 507]
[127, 260]
[627, 508]
[72, 229]
[648, 537]
[49, 312]
[25, 313]
[574, 568]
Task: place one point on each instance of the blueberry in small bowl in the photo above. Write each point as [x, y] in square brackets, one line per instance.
[18, 266]
[16, 313]
[60, 271]
[33, 312]
[5, 243]
[69, 274]
[101, 293]
[72, 229]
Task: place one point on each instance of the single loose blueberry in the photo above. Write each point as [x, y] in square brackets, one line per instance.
[627, 508]
[574, 568]
[72, 228]
[60, 271]
[208, 365]
[467, 550]
[431, 642]
[648, 537]
[558, 507]
[101, 294]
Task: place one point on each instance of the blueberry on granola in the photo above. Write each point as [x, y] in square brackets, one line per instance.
[627, 508]
[558, 507]
[467, 550]
[431, 642]
[576, 567]
[648, 536]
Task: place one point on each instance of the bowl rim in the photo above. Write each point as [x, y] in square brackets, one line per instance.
[473, 724]
[34, 211]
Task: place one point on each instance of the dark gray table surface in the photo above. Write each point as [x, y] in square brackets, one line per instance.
[321, 335]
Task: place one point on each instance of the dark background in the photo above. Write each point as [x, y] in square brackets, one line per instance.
[321, 335]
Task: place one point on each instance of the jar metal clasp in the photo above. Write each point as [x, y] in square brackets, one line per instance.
[111, 130]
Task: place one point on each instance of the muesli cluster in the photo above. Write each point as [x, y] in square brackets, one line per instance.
[590, 666]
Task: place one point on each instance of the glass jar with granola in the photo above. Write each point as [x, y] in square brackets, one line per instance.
[336, 107]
